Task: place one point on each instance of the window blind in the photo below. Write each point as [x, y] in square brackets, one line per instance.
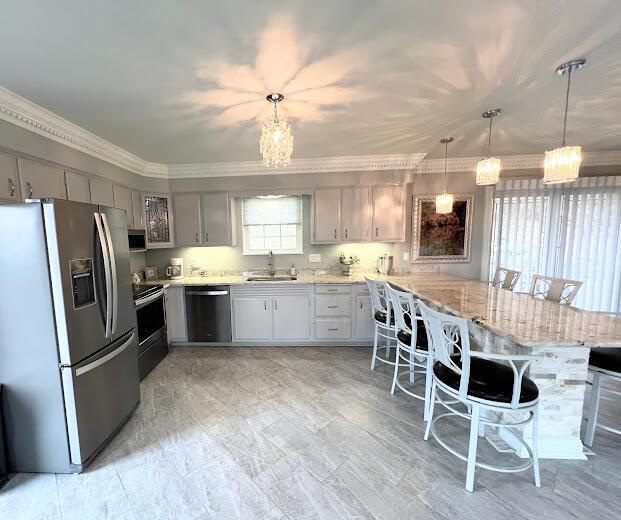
[568, 231]
[272, 210]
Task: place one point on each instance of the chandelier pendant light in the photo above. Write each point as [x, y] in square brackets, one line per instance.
[563, 164]
[444, 202]
[276, 143]
[488, 170]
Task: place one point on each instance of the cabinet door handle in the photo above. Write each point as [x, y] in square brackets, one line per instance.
[345, 232]
[275, 304]
[333, 330]
[361, 305]
[332, 290]
[197, 238]
[206, 237]
[376, 232]
[29, 189]
[333, 306]
[265, 304]
[11, 187]
[335, 233]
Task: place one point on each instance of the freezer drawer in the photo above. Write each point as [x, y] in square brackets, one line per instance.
[100, 393]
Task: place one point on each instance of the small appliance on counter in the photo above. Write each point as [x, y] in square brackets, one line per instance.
[384, 264]
[175, 269]
[150, 304]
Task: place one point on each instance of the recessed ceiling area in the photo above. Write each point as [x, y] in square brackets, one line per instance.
[186, 82]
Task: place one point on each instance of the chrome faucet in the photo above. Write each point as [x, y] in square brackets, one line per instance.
[270, 264]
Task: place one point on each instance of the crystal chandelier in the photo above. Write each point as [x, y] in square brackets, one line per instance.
[488, 170]
[276, 142]
[444, 202]
[563, 164]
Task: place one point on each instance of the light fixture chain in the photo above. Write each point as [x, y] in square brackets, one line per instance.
[489, 138]
[566, 105]
[445, 157]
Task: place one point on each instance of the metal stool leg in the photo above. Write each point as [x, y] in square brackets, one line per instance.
[396, 371]
[374, 347]
[432, 403]
[535, 447]
[472, 448]
[593, 409]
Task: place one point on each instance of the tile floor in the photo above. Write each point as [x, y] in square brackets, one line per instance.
[298, 433]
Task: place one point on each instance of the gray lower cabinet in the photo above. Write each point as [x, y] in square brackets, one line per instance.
[38, 180]
[9, 182]
[175, 313]
[77, 187]
[365, 326]
[186, 207]
[271, 313]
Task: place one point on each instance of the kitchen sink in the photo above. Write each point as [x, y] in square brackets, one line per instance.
[268, 278]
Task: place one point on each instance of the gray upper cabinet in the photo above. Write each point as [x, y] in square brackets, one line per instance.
[101, 192]
[137, 210]
[218, 223]
[187, 219]
[327, 215]
[356, 214]
[123, 200]
[38, 180]
[77, 187]
[9, 183]
[388, 213]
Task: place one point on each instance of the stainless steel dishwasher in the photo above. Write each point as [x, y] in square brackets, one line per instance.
[208, 309]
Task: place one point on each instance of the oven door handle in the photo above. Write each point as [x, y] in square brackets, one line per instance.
[207, 293]
[141, 302]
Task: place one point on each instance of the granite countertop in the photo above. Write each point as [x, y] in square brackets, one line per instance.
[519, 317]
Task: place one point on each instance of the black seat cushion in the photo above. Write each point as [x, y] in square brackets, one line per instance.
[606, 358]
[381, 316]
[489, 380]
[421, 336]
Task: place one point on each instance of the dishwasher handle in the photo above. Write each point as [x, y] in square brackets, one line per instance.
[207, 293]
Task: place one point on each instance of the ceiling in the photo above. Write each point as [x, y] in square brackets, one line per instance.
[185, 82]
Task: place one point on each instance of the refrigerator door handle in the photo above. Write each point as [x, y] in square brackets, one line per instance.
[104, 249]
[115, 288]
[106, 358]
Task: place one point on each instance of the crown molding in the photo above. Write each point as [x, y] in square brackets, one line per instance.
[26, 114]
[356, 163]
[513, 162]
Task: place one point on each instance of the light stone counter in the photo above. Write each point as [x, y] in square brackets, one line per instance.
[226, 279]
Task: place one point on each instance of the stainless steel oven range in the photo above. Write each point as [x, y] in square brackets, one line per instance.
[152, 333]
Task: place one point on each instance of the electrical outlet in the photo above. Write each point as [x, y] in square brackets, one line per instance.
[314, 258]
[405, 256]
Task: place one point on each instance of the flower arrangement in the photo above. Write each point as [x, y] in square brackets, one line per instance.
[348, 263]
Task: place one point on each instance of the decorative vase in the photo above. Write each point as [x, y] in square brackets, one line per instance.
[347, 270]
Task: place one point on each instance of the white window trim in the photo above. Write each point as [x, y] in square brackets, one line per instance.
[298, 250]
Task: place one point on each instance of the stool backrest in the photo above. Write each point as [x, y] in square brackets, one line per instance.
[448, 337]
[557, 290]
[405, 307]
[379, 295]
[505, 278]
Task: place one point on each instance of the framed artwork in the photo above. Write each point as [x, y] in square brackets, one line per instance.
[441, 238]
[150, 273]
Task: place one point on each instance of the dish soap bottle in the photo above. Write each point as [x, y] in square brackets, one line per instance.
[293, 271]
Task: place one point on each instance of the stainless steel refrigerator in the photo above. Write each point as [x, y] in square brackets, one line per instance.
[68, 341]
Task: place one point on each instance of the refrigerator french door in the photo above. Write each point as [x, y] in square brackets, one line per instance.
[68, 337]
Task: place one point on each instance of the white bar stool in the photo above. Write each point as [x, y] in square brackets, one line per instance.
[604, 363]
[557, 290]
[412, 351]
[484, 385]
[383, 317]
[506, 278]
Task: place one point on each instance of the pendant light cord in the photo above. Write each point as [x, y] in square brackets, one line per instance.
[489, 138]
[566, 105]
[445, 156]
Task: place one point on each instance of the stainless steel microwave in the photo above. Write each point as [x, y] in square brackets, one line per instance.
[137, 239]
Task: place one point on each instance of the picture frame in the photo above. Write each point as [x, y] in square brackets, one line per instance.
[150, 273]
[440, 238]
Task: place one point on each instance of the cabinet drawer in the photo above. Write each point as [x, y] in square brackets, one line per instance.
[328, 305]
[332, 289]
[333, 329]
[362, 289]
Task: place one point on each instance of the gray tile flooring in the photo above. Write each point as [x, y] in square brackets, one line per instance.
[299, 433]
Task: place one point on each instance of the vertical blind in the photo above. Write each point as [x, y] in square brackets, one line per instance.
[568, 231]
